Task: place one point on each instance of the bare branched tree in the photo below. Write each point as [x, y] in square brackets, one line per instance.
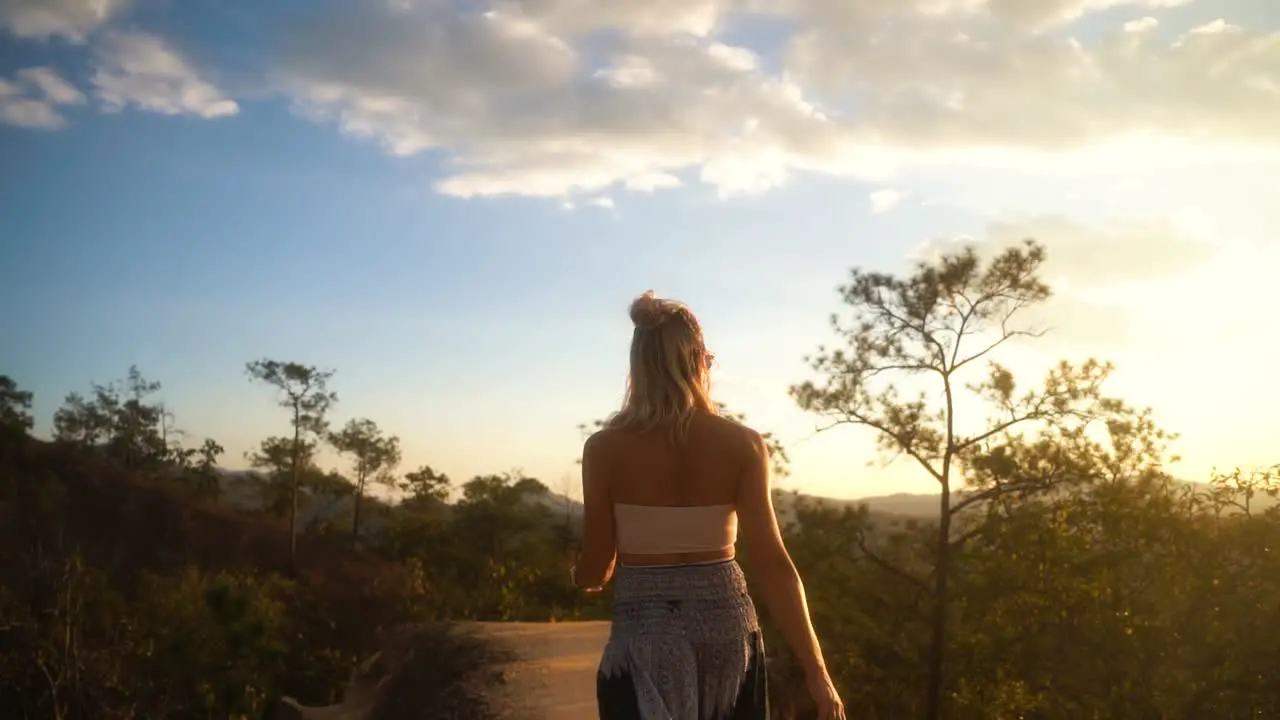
[949, 314]
[303, 390]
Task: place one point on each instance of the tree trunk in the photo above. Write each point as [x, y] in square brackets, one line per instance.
[293, 489]
[355, 517]
[941, 591]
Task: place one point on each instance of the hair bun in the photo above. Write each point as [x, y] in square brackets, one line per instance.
[648, 311]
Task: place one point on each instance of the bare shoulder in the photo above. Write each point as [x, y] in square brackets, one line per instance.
[600, 441]
[739, 434]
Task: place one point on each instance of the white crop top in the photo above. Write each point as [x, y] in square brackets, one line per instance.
[669, 530]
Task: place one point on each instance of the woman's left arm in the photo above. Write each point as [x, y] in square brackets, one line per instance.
[599, 543]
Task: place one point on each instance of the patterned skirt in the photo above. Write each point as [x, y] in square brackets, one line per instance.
[685, 644]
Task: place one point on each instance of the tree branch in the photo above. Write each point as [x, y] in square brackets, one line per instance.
[958, 542]
[861, 540]
[856, 418]
[1005, 336]
[920, 328]
[909, 367]
[1036, 413]
[1047, 482]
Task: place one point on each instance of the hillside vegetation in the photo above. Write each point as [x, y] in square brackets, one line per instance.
[1061, 573]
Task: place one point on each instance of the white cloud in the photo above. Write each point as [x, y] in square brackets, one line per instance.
[648, 182]
[945, 83]
[52, 86]
[523, 112]
[1141, 24]
[555, 97]
[20, 111]
[603, 202]
[882, 201]
[73, 20]
[1123, 253]
[32, 100]
[1214, 28]
[1041, 15]
[578, 17]
[141, 69]
[1105, 279]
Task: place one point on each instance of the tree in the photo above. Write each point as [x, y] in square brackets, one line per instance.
[426, 485]
[208, 483]
[81, 421]
[502, 536]
[571, 496]
[327, 490]
[285, 464]
[374, 456]
[948, 315]
[199, 466]
[303, 391]
[118, 419]
[138, 427]
[15, 406]
[417, 525]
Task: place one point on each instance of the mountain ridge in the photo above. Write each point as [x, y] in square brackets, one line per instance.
[240, 490]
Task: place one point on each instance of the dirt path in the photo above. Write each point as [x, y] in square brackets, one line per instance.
[555, 676]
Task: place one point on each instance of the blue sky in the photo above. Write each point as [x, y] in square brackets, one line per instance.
[466, 269]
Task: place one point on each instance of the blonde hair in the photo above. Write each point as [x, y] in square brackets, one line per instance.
[669, 379]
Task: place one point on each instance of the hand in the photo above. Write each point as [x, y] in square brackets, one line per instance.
[573, 579]
[825, 698]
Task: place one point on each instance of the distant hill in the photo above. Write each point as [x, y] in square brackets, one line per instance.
[925, 505]
[240, 490]
[896, 506]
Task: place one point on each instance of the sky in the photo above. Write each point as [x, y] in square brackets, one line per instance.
[452, 204]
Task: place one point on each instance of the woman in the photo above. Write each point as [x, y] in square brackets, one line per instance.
[666, 485]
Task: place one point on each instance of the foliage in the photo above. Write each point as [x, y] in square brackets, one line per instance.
[425, 485]
[118, 418]
[15, 406]
[303, 391]
[948, 315]
[201, 466]
[1072, 577]
[1132, 597]
[277, 455]
[374, 456]
[157, 605]
[139, 597]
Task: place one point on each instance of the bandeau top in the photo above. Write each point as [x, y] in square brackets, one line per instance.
[670, 530]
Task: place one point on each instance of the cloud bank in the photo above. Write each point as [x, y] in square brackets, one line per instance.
[548, 97]
[555, 98]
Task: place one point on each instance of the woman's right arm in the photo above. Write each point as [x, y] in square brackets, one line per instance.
[779, 583]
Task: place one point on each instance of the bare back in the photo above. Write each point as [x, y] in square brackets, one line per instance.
[645, 470]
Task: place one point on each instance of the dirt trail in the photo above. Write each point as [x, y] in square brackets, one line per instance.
[552, 675]
[555, 676]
